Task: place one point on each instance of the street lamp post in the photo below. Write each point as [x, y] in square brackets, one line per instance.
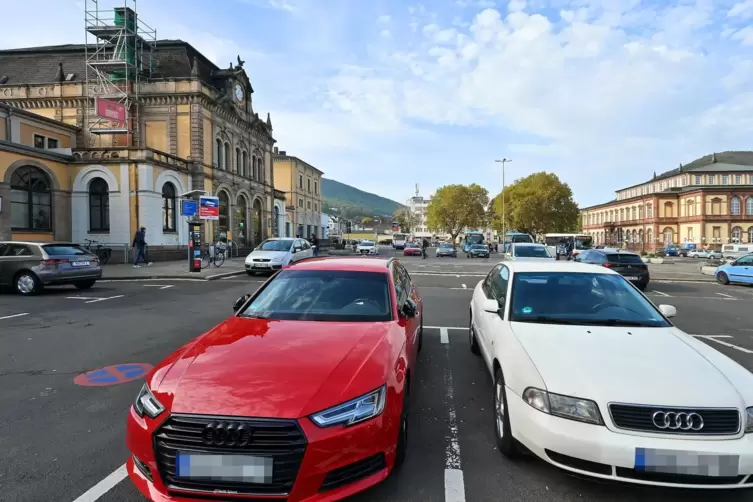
[504, 230]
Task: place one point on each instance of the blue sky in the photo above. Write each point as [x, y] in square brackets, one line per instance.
[384, 94]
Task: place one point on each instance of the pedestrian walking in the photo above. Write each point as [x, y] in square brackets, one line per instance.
[315, 244]
[139, 243]
[424, 245]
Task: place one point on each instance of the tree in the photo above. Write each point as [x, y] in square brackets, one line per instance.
[405, 218]
[539, 203]
[455, 207]
[366, 220]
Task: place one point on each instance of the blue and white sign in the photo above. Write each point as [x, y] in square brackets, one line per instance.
[209, 207]
[189, 207]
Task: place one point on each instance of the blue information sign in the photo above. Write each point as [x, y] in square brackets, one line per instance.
[189, 207]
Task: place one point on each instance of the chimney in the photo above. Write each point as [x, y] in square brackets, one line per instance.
[283, 152]
[277, 150]
[713, 157]
[680, 166]
[60, 75]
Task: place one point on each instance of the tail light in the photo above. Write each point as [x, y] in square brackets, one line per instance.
[609, 265]
[53, 262]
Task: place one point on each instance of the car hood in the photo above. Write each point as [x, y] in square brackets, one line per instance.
[267, 254]
[275, 369]
[656, 366]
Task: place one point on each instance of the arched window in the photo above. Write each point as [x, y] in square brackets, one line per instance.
[218, 153]
[30, 199]
[253, 167]
[99, 206]
[226, 158]
[649, 210]
[734, 206]
[737, 234]
[750, 234]
[260, 166]
[276, 221]
[223, 223]
[749, 206]
[244, 164]
[237, 160]
[669, 236]
[690, 208]
[168, 208]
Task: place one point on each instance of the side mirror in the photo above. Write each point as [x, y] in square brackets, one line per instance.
[240, 301]
[410, 309]
[668, 310]
[293, 251]
[491, 306]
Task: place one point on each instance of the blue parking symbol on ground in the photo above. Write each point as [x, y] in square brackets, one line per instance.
[113, 375]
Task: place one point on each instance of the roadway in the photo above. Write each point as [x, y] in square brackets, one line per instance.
[59, 439]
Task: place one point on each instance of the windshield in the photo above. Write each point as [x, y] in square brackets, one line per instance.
[624, 258]
[478, 246]
[583, 243]
[411, 245]
[532, 252]
[474, 238]
[398, 237]
[366, 244]
[64, 250]
[519, 238]
[581, 299]
[324, 295]
[445, 245]
[275, 245]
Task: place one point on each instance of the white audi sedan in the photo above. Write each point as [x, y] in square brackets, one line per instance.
[593, 378]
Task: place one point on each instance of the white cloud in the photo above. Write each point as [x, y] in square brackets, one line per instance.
[742, 10]
[385, 34]
[516, 5]
[384, 19]
[745, 36]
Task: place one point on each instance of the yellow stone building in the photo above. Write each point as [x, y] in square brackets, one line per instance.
[708, 202]
[191, 126]
[301, 183]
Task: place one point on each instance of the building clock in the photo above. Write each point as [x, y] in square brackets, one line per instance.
[238, 92]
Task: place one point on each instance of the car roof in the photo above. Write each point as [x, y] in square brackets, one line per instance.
[30, 243]
[555, 266]
[614, 251]
[523, 244]
[361, 263]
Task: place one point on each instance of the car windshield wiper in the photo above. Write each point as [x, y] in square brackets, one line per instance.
[547, 320]
[253, 316]
[618, 322]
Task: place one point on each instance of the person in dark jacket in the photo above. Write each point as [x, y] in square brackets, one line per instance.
[424, 245]
[314, 240]
[139, 243]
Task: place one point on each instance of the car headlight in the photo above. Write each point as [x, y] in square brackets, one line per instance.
[749, 421]
[147, 404]
[354, 411]
[277, 259]
[573, 408]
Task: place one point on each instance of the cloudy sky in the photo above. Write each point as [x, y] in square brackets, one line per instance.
[386, 94]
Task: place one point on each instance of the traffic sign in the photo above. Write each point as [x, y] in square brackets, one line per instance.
[209, 207]
[113, 375]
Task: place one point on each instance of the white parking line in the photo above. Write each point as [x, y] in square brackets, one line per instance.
[443, 327]
[725, 295]
[161, 286]
[454, 485]
[104, 299]
[443, 335]
[13, 315]
[714, 338]
[464, 286]
[95, 492]
[660, 293]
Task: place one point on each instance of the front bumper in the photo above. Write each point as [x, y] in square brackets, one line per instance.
[597, 451]
[337, 463]
[263, 266]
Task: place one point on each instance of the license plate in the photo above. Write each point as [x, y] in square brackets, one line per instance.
[631, 278]
[261, 265]
[80, 263]
[238, 468]
[686, 462]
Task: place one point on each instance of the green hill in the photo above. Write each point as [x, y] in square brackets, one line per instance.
[352, 202]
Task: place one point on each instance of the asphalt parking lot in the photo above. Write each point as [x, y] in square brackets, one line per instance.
[65, 442]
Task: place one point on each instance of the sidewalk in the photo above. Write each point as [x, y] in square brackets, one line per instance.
[677, 272]
[172, 270]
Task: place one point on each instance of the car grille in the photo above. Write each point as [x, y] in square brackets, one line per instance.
[716, 421]
[262, 260]
[282, 440]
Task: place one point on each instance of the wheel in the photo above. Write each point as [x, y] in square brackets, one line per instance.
[206, 260]
[248, 272]
[219, 259]
[84, 284]
[105, 256]
[642, 287]
[472, 340]
[722, 278]
[402, 438]
[506, 444]
[27, 284]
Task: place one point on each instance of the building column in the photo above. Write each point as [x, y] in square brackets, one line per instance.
[5, 217]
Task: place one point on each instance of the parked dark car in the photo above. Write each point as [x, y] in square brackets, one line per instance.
[447, 249]
[28, 267]
[478, 251]
[628, 264]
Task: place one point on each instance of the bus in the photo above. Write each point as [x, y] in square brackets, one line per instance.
[470, 239]
[581, 242]
[513, 237]
[398, 240]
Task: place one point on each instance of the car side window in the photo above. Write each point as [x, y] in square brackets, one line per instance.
[398, 283]
[297, 245]
[18, 250]
[745, 261]
[583, 256]
[3, 248]
[306, 245]
[486, 287]
[499, 285]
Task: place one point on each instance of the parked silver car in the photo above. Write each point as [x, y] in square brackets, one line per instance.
[30, 266]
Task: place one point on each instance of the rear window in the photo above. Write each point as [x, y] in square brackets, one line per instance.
[532, 252]
[324, 295]
[624, 258]
[64, 250]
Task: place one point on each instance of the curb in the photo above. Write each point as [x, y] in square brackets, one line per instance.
[173, 277]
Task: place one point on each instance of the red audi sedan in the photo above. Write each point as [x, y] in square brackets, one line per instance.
[302, 395]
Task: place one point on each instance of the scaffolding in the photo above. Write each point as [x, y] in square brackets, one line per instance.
[118, 53]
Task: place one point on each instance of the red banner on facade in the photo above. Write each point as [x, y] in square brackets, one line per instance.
[110, 110]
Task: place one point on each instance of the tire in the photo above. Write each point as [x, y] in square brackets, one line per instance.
[472, 340]
[506, 443]
[84, 284]
[27, 284]
[219, 259]
[206, 261]
[402, 438]
[252, 274]
[106, 253]
[722, 278]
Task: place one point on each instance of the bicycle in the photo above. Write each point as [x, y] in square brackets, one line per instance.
[102, 253]
[218, 259]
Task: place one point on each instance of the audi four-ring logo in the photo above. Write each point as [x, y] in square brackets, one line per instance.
[226, 434]
[677, 420]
